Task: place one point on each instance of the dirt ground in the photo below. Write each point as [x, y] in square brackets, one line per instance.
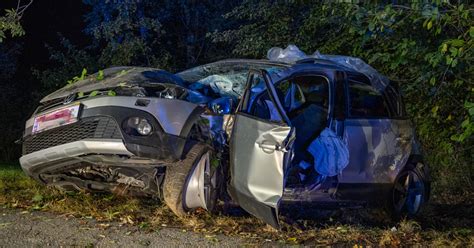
[41, 229]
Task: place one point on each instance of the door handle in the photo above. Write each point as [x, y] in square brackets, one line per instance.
[268, 148]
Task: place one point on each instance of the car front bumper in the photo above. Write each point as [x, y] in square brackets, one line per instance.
[100, 136]
[57, 157]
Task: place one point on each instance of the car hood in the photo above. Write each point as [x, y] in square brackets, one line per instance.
[116, 77]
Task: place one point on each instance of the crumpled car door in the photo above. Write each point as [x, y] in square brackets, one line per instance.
[260, 142]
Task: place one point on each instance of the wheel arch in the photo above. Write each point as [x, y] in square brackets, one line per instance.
[192, 120]
[417, 162]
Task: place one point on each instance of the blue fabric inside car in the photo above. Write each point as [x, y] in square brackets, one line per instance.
[305, 101]
[308, 124]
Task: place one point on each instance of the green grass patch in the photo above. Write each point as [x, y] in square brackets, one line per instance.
[18, 190]
[339, 227]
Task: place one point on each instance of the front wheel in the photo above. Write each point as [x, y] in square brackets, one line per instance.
[409, 194]
[192, 182]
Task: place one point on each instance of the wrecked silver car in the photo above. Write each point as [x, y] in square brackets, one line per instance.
[264, 132]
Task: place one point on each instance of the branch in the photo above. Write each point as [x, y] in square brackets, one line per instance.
[20, 9]
[401, 7]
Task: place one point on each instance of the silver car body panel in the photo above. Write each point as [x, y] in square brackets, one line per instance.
[378, 148]
[257, 169]
[72, 150]
[172, 114]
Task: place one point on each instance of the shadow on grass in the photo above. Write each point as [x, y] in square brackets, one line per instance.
[444, 216]
[435, 216]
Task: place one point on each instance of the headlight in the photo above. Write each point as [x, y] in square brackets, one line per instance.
[144, 128]
[139, 125]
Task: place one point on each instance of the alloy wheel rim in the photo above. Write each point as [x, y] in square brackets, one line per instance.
[209, 181]
[408, 193]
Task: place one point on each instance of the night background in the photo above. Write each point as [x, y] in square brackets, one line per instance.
[425, 48]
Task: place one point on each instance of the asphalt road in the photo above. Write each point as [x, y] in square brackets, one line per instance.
[39, 229]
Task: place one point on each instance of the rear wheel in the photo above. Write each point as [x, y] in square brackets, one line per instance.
[192, 182]
[409, 193]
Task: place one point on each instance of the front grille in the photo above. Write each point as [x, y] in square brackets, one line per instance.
[49, 105]
[90, 128]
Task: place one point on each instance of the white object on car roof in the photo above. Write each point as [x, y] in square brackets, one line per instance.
[292, 54]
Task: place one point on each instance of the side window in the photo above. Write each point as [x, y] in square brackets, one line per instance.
[301, 90]
[365, 101]
[257, 101]
[286, 92]
[395, 101]
[315, 90]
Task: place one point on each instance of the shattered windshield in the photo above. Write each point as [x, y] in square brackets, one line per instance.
[226, 78]
[227, 67]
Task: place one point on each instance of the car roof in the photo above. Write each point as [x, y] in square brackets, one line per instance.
[299, 66]
[313, 61]
[251, 61]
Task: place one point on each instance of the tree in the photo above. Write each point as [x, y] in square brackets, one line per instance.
[10, 22]
[127, 32]
[188, 23]
[148, 32]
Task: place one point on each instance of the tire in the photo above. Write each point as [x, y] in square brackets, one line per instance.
[177, 176]
[409, 194]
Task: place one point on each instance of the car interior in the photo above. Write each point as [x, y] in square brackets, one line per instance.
[305, 100]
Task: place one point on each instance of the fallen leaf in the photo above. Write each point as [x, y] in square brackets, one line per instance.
[104, 226]
[5, 224]
[293, 239]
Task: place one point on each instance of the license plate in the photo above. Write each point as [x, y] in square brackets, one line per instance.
[56, 118]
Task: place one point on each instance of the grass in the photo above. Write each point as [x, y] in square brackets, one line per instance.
[441, 225]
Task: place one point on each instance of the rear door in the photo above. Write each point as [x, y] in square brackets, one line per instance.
[379, 144]
[260, 142]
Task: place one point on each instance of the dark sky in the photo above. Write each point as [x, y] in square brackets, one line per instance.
[42, 22]
[45, 18]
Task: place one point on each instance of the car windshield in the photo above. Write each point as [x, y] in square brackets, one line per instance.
[232, 73]
[227, 67]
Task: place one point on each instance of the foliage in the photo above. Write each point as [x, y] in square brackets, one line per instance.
[128, 31]
[66, 63]
[10, 22]
[78, 78]
[100, 75]
[427, 48]
[187, 24]
[149, 33]
[140, 33]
